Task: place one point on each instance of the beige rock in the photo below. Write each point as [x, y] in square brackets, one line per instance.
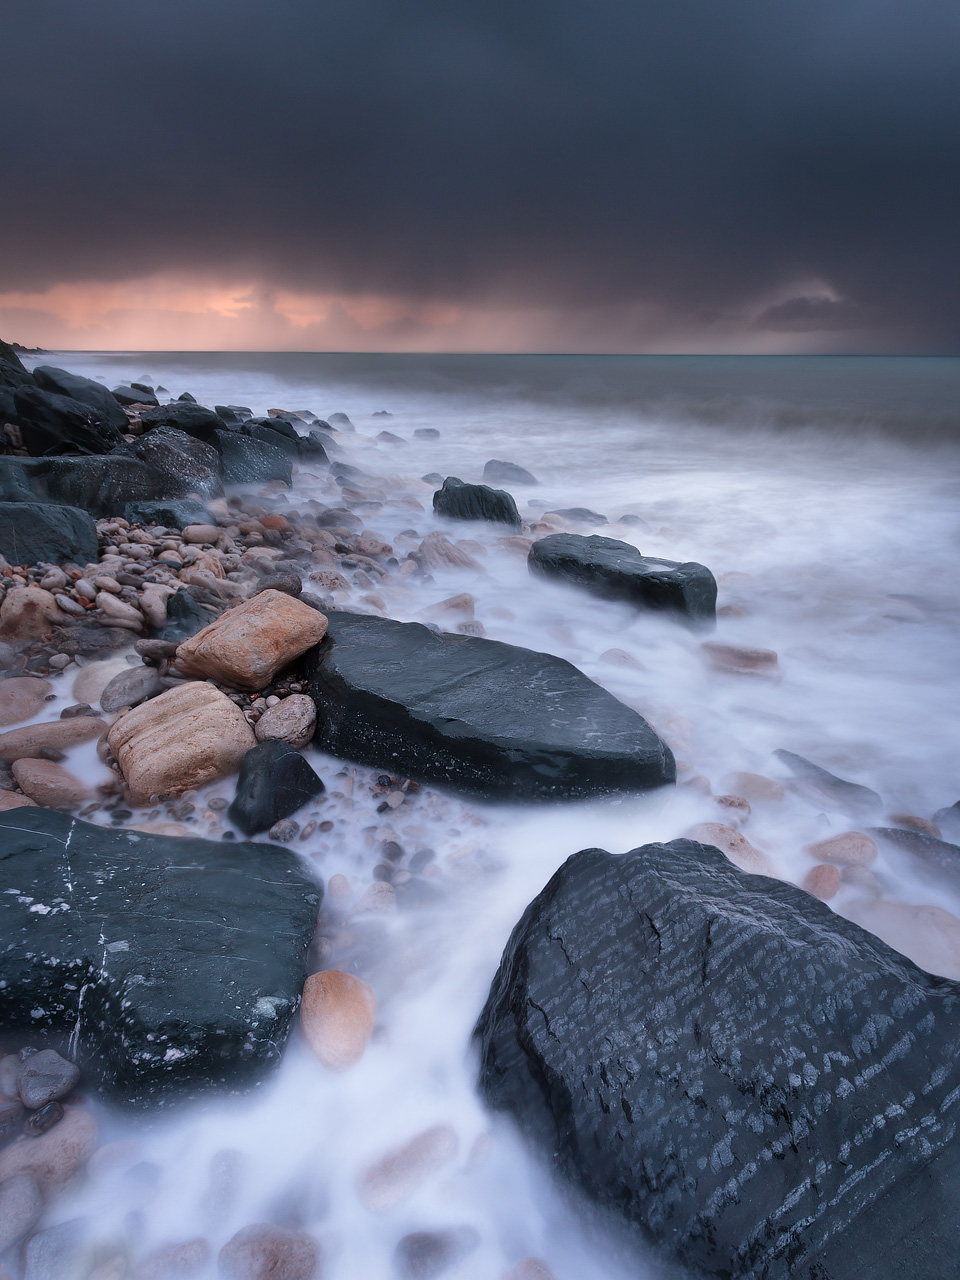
[378, 898]
[735, 808]
[171, 1261]
[737, 848]
[337, 1016]
[153, 603]
[55, 1157]
[929, 936]
[265, 1252]
[28, 613]
[620, 658]
[50, 784]
[118, 609]
[852, 849]
[395, 1176]
[21, 1206]
[329, 580]
[438, 552]
[740, 659]
[907, 821]
[107, 583]
[28, 742]
[94, 678]
[185, 738]
[197, 533]
[461, 606]
[14, 800]
[339, 893]
[248, 645]
[516, 543]
[754, 786]
[370, 546]
[823, 881]
[528, 1269]
[292, 720]
[22, 698]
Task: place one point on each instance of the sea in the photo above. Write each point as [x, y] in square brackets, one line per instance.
[823, 494]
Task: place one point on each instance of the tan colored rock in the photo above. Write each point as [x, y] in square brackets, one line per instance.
[339, 893]
[153, 603]
[91, 681]
[266, 1252]
[528, 1269]
[329, 580]
[292, 720]
[14, 800]
[118, 610]
[397, 1175]
[277, 522]
[28, 613]
[369, 546]
[198, 533]
[49, 784]
[55, 1157]
[461, 606]
[185, 738]
[735, 808]
[754, 787]
[906, 821]
[28, 742]
[248, 645]
[170, 1261]
[378, 898]
[22, 698]
[737, 848]
[929, 936]
[852, 849]
[823, 881]
[337, 1016]
[739, 659]
[438, 552]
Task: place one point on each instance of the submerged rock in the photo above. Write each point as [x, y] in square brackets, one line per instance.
[275, 781]
[337, 1015]
[266, 1252]
[822, 787]
[759, 1086]
[175, 964]
[617, 571]
[475, 714]
[497, 472]
[459, 501]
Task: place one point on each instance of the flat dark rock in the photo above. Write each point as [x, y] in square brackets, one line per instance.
[948, 820]
[126, 394]
[175, 964]
[184, 618]
[100, 485]
[580, 515]
[173, 513]
[475, 714]
[275, 781]
[823, 787]
[761, 1088]
[459, 501]
[617, 571]
[31, 532]
[184, 415]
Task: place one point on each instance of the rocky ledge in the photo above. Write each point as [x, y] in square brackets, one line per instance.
[760, 1087]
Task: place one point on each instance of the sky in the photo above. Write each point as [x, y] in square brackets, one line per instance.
[490, 175]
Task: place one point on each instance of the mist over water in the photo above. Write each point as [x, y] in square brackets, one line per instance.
[823, 495]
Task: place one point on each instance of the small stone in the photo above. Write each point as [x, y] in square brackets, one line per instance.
[929, 936]
[60, 660]
[10, 1075]
[200, 533]
[85, 588]
[276, 522]
[909, 822]
[275, 781]
[55, 1157]
[284, 831]
[736, 847]
[53, 580]
[736, 808]
[620, 658]
[22, 698]
[171, 1261]
[337, 1016]
[339, 893]
[291, 720]
[528, 1269]
[462, 605]
[378, 898]
[118, 610]
[852, 849]
[31, 741]
[89, 683]
[27, 613]
[43, 1119]
[156, 650]
[45, 1077]
[21, 1206]
[130, 687]
[740, 660]
[78, 709]
[823, 881]
[14, 800]
[265, 1252]
[754, 786]
[49, 784]
[398, 1174]
[421, 1255]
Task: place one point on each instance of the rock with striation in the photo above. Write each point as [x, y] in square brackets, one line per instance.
[175, 964]
[475, 714]
[459, 501]
[757, 1085]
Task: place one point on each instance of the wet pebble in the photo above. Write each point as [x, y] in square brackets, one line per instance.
[852, 849]
[823, 881]
[266, 1252]
[421, 1255]
[21, 1204]
[284, 831]
[45, 1077]
[337, 1016]
[397, 1175]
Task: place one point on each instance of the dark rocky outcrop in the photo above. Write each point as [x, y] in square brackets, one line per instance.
[497, 472]
[233, 414]
[476, 715]
[822, 787]
[249, 461]
[759, 1086]
[187, 416]
[459, 501]
[313, 447]
[32, 532]
[126, 394]
[174, 513]
[52, 424]
[93, 394]
[100, 485]
[275, 781]
[185, 464]
[617, 571]
[176, 964]
[267, 432]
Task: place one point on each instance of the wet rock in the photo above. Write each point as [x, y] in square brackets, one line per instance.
[12, 1112]
[265, 1252]
[27, 613]
[754, 787]
[176, 962]
[43, 1118]
[928, 857]
[192, 419]
[823, 787]
[579, 515]
[249, 461]
[823, 881]
[128, 395]
[185, 738]
[46, 1077]
[912, 822]
[528, 1269]
[184, 618]
[639, 995]
[33, 740]
[54, 1158]
[437, 552]
[337, 1016]
[275, 781]
[130, 687]
[475, 714]
[21, 1205]
[292, 720]
[187, 467]
[738, 659]
[421, 1255]
[21, 698]
[118, 611]
[289, 583]
[90, 682]
[617, 571]
[156, 650]
[496, 472]
[948, 820]
[85, 390]
[58, 1253]
[735, 845]
[49, 784]
[56, 424]
[852, 849]
[459, 501]
[174, 1261]
[397, 1175]
[929, 936]
[426, 433]
[32, 532]
[14, 800]
[248, 645]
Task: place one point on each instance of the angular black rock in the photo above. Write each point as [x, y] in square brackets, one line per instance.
[192, 419]
[497, 472]
[174, 513]
[617, 571]
[174, 964]
[100, 485]
[233, 414]
[823, 787]
[459, 501]
[93, 394]
[52, 424]
[580, 515]
[184, 618]
[280, 426]
[31, 532]
[313, 447]
[127, 395]
[274, 434]
[249, 461]
[474, 714]
[275, 781]
[188, 466]
[759, 1086]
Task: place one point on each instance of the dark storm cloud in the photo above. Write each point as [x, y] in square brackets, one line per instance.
[691, 154]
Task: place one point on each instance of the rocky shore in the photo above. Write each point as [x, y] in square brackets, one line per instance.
[216, 672]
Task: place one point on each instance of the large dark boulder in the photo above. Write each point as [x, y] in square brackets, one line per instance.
[459, 501]
[93, 394]
[313, 447]
[617, 571]
[265, 431]
[760, 1087]
[476, 715]
[250, 461]
[128, 395]
[13, 373]
[52, 424]
[101, 485]
[193, 419]
[174, 965]
[275, 781]
[186, 465]
[31, 532]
